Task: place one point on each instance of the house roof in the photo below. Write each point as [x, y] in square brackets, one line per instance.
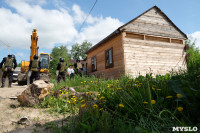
[120, 29]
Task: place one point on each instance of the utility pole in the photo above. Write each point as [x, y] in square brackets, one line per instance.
[8, 48]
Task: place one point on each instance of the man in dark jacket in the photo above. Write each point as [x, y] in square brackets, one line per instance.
[8, 68]
[61, 68]
[35, 69]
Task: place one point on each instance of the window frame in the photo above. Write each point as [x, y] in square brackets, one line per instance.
[96, 63]
[110, 64]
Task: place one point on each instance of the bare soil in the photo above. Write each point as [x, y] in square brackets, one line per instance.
[11, 112]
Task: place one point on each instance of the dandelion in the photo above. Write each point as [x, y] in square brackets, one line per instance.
[179, 96]
[121, 105]
[153, 88]
[100, 109]
[117, 81]
[68, 101]
[91, 81]
[98, 94]
[83, 105]
[59, 95]
[95, 106]
[88, 93]
[85, 81]
[198, 76]
[136, 81]
[169, 97]
[145, 102]
[81, 82]
[140, 83]
[118, 88]
[129, 80]
[102, 97]
[104, 100]
[153, 101]
[82, 100]
[180, 109]
[74, 96]
[67, 93]
[60, 90]
[158, 89]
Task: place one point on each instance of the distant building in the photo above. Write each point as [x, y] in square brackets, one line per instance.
[150, 41]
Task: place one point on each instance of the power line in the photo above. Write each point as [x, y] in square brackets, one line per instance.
[87, 15]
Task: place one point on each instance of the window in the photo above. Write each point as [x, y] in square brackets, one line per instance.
[94, 64]
[109, 58]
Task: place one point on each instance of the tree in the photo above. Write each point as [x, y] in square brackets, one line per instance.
[19, 64]
[193, 64]
[78, 50]
[56, 54]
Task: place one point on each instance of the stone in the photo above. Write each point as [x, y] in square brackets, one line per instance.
[34, 93]
[24, 121]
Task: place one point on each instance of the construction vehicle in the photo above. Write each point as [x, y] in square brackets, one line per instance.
[24, 75]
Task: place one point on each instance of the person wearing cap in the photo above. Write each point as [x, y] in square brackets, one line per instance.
[34, 67]
[61, 70]
[10, 64]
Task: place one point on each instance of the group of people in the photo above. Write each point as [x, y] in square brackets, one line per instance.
[77, 68]
[10, 64]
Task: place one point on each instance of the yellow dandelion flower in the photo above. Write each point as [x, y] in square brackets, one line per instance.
[136, 81]
[83, 105]
[82, 100]
[180, 108]
[59, 95]
[153, 102]
[91, 81]
[153, 88]
[88, 93]
[67, 93]
[102, 97]
[129, 80]
[140, 83]
[85, 81]
[118, 88]
[104, 100]
[117, 81]
[60, 90]
[145, 102]
[68, 101]
[81, 82]
[108, 86]
[121, 105]
[98, 94]
[179, 96]
[100, 109]
[95, 106]
[198, 76]
[169, 97]
[158, 89]
[74, 96]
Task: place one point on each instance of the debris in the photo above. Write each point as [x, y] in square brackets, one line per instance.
[34, 93]
[24, 121]
[13, 97]
[72, 89]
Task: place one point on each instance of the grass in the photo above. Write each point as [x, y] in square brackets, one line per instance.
[143, 104]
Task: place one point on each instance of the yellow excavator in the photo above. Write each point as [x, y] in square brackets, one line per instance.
[24, 75]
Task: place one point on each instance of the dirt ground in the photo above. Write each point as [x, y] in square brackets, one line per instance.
[11, 112]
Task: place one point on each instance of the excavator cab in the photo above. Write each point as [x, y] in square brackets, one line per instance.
[44, 59]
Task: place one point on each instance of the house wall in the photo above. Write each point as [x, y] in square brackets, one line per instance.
[144, 52]
[118, 59]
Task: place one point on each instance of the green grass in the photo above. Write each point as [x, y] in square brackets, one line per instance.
[143, 104]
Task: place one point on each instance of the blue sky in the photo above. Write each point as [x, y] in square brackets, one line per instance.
[58, 21]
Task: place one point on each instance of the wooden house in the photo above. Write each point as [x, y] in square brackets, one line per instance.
[151, 41]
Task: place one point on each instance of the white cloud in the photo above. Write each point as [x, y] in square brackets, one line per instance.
[98, 31]
[54, 26]
[195, 37]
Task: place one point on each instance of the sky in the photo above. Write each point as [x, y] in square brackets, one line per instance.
[59, 22]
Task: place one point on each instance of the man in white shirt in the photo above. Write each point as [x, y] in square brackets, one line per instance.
[70, 71]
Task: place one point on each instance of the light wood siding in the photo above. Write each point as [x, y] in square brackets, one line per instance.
[118, 59]
[142, 55]
[155, 23]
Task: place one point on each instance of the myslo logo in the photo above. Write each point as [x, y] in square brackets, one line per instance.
[184, 129]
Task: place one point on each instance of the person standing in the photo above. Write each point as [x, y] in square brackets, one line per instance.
[61, 70]
[79, 67]
[10, 64]
[34, 67]
[70, 71]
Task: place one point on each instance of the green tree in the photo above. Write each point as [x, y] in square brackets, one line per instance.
[193, 64]
[19, 64]
[56, 54]
[80, 49]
